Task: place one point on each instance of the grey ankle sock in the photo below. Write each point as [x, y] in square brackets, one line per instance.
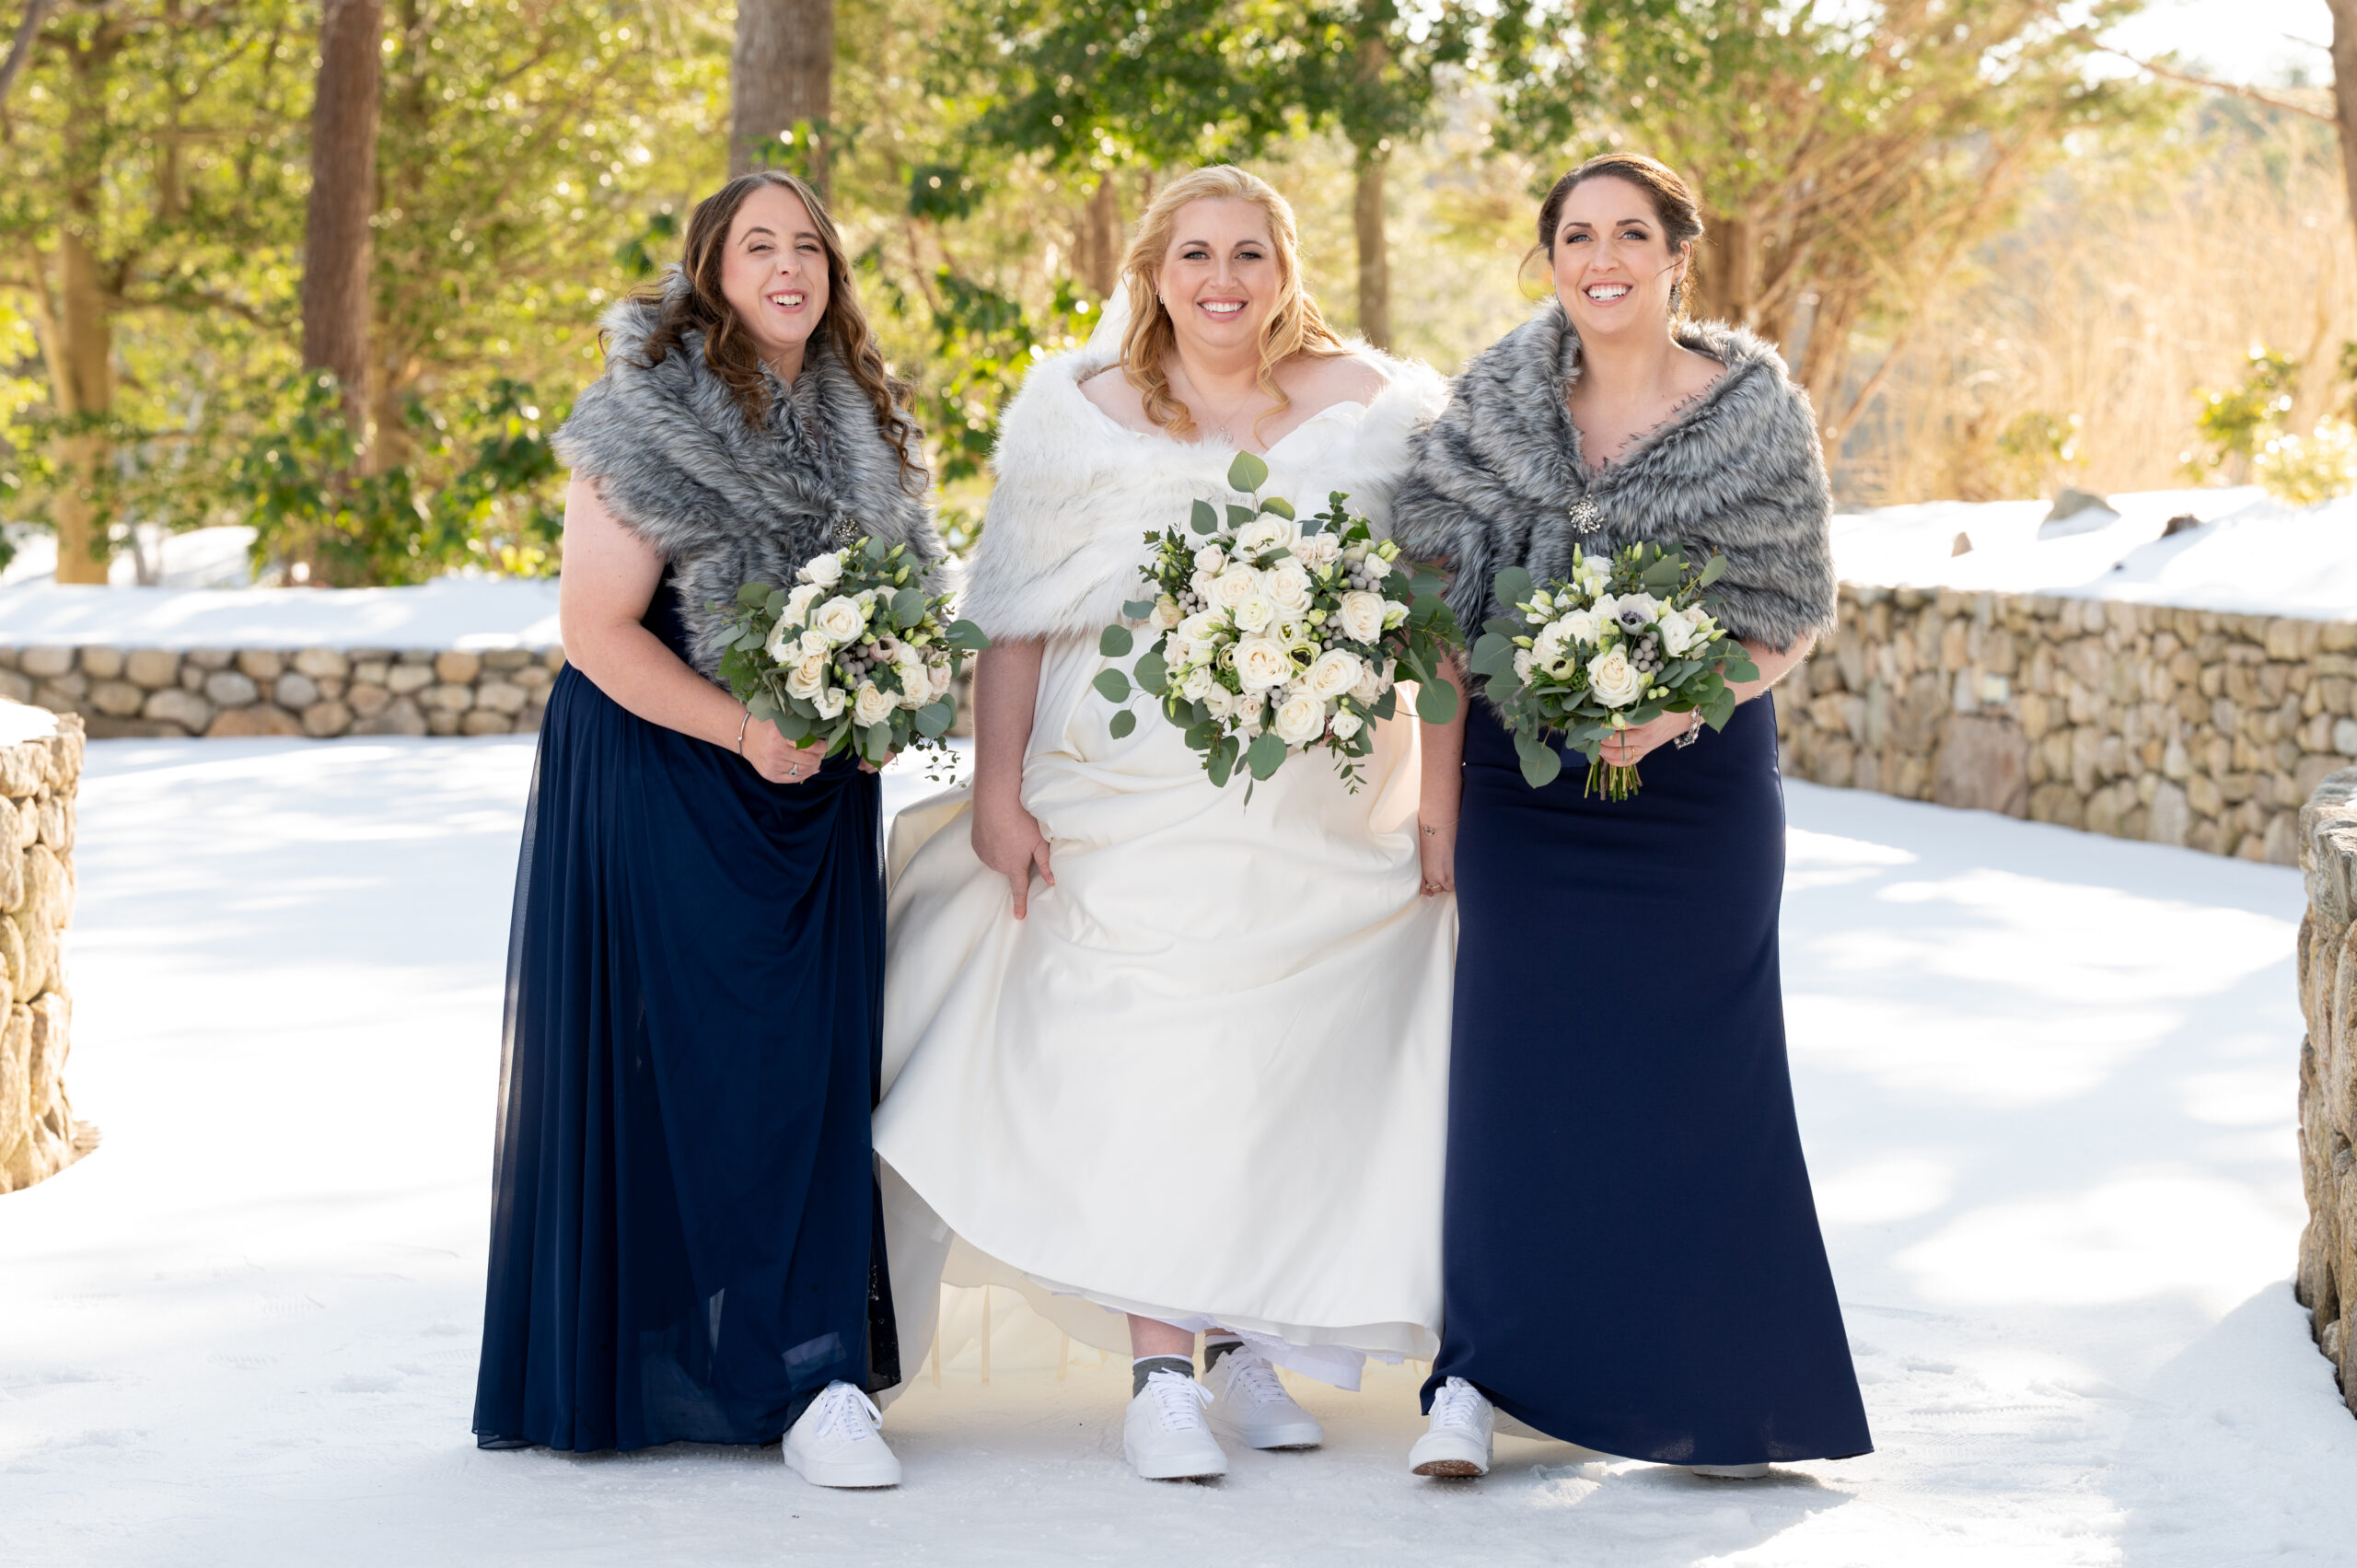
[1214, 1349]
[1146, 1366]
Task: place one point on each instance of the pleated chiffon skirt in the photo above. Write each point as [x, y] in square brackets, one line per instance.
[686, 1235]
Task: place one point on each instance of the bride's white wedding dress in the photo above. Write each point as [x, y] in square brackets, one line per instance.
[1206, 1079]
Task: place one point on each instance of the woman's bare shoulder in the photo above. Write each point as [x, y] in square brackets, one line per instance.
[1338, 378]
[1111, 392]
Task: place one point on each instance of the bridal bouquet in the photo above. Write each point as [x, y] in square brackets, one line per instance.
[1275, 635]
[856, 654]
[1623, 642]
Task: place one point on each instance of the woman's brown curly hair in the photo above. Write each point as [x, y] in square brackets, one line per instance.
[728, 347]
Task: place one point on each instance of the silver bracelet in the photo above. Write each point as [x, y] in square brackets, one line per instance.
[742, 724]
[1693, 733]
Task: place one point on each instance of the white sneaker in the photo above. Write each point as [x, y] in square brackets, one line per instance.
[1728, 1473]
[1164, 1436]
[839, 1441]
[1250, 1405]
[1462, 1436]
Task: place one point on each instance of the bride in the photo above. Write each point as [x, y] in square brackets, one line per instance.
[1154, 1052]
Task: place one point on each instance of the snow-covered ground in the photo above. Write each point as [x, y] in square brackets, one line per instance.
[473, 613]
[2250, 555]
[2046, 1080]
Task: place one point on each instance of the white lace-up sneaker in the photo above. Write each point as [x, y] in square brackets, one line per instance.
[1462, 1436]
[839, 1441]
[1729, 1472]
[1250, 1405]
[1164, 1436]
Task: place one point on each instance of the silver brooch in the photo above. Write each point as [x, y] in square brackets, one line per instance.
[1587, 516]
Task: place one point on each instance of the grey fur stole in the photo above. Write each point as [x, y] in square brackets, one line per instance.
[725, 504]
[1737, 471]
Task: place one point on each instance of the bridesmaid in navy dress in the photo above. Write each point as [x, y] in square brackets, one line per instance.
[685, 1235]
[1631, 1257]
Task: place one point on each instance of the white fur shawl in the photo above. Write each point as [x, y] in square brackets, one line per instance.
[1077, 492]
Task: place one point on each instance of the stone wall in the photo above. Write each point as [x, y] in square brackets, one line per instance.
[2183, 726]
[320, 693]
[39, 1136]
[2327, 1284]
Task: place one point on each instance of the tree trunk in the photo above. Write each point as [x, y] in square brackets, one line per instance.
[2344, 93]
[780, 73]
[1374, 255]
[1097, 258]
[83, 382]
[343, 197]
[1726, 281]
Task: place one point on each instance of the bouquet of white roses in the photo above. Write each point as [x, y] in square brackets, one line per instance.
[855, 655]
[1625, 641]
[1274, 634]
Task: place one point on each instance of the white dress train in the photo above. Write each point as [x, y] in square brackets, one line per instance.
[1205, 1080]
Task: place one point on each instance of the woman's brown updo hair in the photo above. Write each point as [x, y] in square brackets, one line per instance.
[1674, 207]
[728, 347]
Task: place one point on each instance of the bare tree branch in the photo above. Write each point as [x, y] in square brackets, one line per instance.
[2170, 74]
[36, 13]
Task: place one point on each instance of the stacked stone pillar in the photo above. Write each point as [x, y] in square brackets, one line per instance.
[38, 776]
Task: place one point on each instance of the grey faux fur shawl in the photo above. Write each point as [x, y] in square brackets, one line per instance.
[725, 503]
[1737, 471]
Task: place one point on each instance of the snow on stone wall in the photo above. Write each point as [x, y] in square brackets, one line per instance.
[40, 766]
[2184, 727]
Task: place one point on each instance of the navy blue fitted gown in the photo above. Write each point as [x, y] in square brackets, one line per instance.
[1631, 1259]
[686, 1235]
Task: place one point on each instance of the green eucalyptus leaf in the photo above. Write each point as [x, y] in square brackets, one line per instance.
[932, 720]
[1540, 763]
[753, 595]
[1279, 505]
[1239, 516]
[1151, 672]
[1219, 764]
[1386, 704]
[1713, 571]
[1436, 702]
[1246, 473]
[908, 607]
[966, 637]
[1512, 586]
[1267, 755]
[1115, 640]
[1112, 685]
[1137, 609]
[1206, 519]
[1123, 723]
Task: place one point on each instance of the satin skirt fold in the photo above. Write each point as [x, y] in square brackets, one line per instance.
[686, 1230]
[1632, 1252]
[1203, 1080]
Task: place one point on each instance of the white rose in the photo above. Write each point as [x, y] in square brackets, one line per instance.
[1200, 627]
[1319, 549]
[1266, 532]
[1287, 588]
[840, 620]
[1165, 613]
[1254, 614]
[1614, 679]
[1582, 626]
[873, 706]
[1301, 718]
[1694, 615]
[1234, 586]
[825, 571]
[1335, 675]
[1220, 701]
[829, 702]
[1548, 647]
[1361, 615]
[1211, 560]
[916, 680]
[1677, 635]
[1202, 583]
[807, 677]
[1346, 725]
[817, 642]
[942, 680]
[784, 641]
[1261, 663]
[1523, 660]
[799, 602]
[1370, 687]
[1605, 608]
[1197, 684]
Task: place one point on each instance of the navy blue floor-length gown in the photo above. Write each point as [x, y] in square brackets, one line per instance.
[1631, 1258]
[686, 1235]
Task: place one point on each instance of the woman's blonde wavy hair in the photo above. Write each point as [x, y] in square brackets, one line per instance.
[1295, 325]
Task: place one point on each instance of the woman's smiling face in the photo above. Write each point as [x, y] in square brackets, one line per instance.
[775, 272]
[1219, 278]
[1613, 268]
